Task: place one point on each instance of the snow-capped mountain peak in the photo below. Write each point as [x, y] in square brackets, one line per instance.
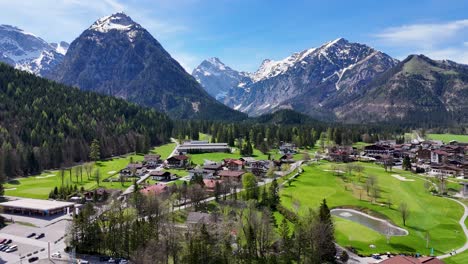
[26, 51]
[118, 21]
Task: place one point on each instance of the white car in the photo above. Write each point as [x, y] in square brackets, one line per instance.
[56, 255]
[12, 248]
[82, 261]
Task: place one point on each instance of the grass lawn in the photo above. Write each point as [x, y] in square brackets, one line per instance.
[39, 186]
[448, 137]
[218, 156]
[360, 145]
[438, 216]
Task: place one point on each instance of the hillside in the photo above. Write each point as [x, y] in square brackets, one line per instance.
[45, 125]
[117, 56]
[418, 90]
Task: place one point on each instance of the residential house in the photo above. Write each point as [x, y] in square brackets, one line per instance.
[151, 161]
[423, 155]
[287, 158]
[287, 148]
[229, 174]
[377, 150]
[205, 174]
[179, 161]
[233, 164]
[438, 156]
[132, 170]
[260, 168]
[162, 176]
[213, 167]
[248, 161]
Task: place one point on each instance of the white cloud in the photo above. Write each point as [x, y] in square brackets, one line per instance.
[445, 40]
[423, 34]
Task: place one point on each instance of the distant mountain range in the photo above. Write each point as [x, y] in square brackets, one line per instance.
[344, 81]
[338, 81]
[27, 52]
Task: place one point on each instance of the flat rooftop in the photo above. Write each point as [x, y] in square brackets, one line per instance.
[35, 204]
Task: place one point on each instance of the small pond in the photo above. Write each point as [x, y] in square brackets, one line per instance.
[371, 222]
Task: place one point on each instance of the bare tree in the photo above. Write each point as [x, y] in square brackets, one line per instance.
[370, 183]
[404, 211]
[89, 169]
[196, 194]
[442, 182]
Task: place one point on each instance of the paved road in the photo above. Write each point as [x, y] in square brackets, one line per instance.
[465, 230]
[175, 148]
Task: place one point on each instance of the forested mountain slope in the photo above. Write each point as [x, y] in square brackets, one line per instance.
[44, 124]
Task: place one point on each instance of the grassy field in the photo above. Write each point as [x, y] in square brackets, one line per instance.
[448, 137]
[432, 214]
[39, 186]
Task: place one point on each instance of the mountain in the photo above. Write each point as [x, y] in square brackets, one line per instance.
[117, 56]
[417, 90]
[313, 81]
[46, 125]
[218, 79]
[27, 52]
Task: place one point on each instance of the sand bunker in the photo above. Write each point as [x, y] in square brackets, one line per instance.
[401, 178]
[10, 189]
[111, 172]
[43, 177]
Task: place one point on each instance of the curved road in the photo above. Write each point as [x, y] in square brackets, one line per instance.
[465, 230]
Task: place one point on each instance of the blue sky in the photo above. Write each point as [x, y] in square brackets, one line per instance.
[242, 33]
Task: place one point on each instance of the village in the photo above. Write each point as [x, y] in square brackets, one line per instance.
[191, 183]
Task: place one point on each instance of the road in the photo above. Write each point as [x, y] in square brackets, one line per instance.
[175, 148]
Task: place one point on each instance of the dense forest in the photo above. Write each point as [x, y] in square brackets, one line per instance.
[45, 125]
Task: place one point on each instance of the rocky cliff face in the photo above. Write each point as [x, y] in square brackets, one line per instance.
[27, 52]
[313, 81]
[118, 57]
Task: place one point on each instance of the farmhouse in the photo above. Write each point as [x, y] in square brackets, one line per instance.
[179, 161]
[375, 150]
[287, 148]
[446, 170]
[203, 147]
[438, 156]
[233, 164]
[210, 184]
[411, 260]
[37, 207]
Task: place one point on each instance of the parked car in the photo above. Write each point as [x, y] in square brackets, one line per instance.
[111, 260]
[31, 235]
[56, 255]
[9, 241]
[12, 248]
[3, 247]
[82, 261]
[41, 235]
[3, 240]
[32, 259]
[376, 256]
[104, 258]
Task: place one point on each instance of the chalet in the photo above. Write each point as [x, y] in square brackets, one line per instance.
[162, 176]
[423, 155]
[288, 148]
[229, 174]
[141, 172]
[205, 174]
[133, 169]
[376, 150]
[210, 184]
[157, 189]
[151, 161]
[203, 147]
[179, 161]
[438, 156]
[248, 161]
[260, 168]
[446, 170]
[213, 167]
[233, 164]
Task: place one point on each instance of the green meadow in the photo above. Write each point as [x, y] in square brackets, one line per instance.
[39, 186]
[428, 214]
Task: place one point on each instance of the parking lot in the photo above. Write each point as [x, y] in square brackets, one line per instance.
[18, 232]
